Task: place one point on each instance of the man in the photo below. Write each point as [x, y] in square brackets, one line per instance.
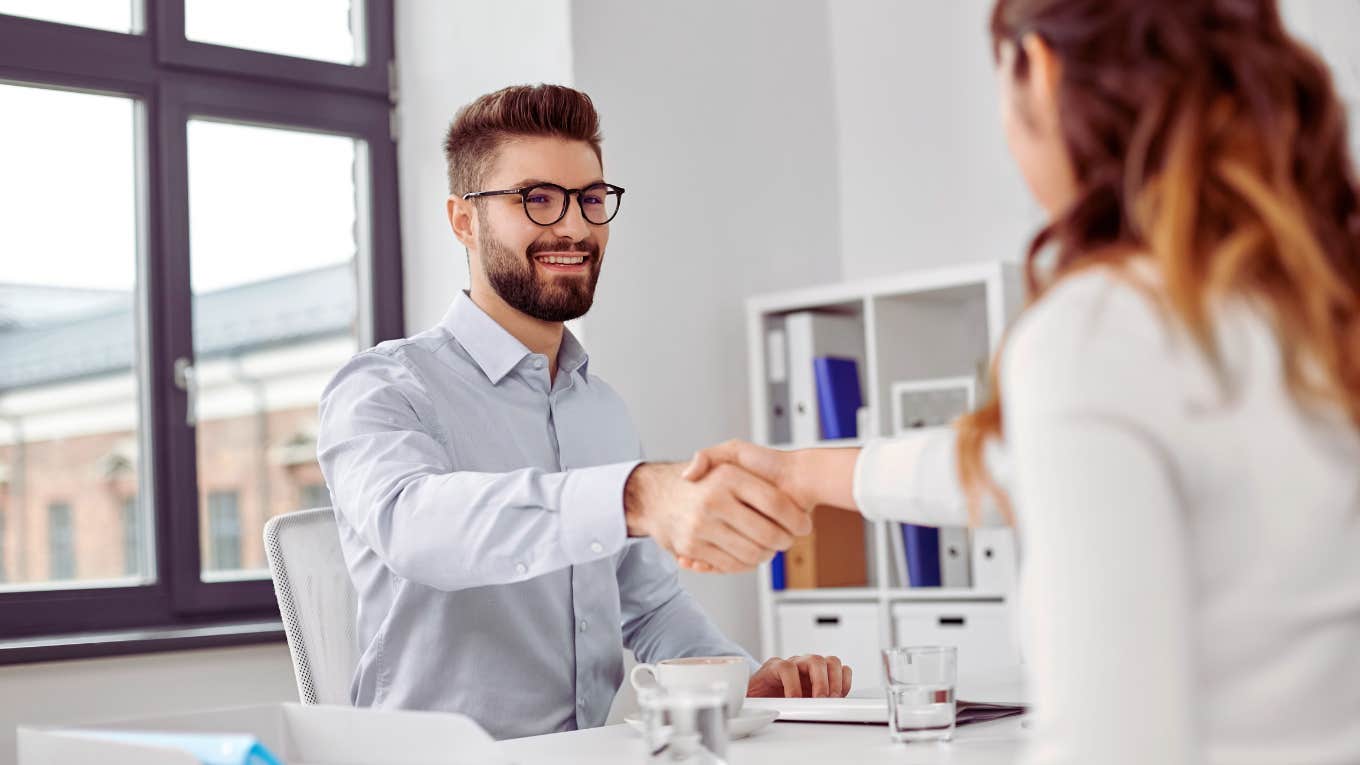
[503, 536]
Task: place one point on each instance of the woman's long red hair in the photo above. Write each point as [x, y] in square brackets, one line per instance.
[1207, 138]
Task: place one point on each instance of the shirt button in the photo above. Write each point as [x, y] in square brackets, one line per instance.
[596, 547]
[581, 702]
[584, 624]
[520, 568]
[538, 363]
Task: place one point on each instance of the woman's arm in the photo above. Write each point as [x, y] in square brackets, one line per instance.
[911, 478]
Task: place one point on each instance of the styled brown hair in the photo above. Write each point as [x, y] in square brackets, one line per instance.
[483, 126]
[1202, 135]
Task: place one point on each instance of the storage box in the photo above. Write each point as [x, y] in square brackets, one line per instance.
[299, 735]
[848, 631]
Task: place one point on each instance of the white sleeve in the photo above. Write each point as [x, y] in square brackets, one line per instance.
[1089, 404]
[914, 479]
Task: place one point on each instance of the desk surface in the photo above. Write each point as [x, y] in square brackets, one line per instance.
[782, 743]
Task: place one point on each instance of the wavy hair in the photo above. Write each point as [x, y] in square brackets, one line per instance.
[1204, 136]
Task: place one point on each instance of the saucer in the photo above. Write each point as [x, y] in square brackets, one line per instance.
[746, 722]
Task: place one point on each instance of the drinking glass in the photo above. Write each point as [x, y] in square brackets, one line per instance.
[920, 683]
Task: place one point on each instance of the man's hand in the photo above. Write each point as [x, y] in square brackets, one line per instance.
[729, 520]
[811, 676]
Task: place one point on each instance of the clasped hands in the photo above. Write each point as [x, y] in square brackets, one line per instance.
[732, 507]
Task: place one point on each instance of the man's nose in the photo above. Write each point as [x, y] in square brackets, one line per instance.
[573, 225]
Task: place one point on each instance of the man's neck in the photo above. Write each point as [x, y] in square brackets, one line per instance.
[538, 336]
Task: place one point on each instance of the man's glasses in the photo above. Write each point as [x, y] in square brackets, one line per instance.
[546, 203]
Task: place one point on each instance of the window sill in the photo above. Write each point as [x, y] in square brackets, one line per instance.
[90, 645]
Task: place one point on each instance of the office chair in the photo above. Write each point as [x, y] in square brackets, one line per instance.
[317, 602]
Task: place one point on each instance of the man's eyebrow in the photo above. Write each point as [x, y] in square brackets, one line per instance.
[526, 182]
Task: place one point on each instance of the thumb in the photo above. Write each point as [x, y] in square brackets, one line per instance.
[698, 466]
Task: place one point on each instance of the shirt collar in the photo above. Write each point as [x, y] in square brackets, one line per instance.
[497, 351]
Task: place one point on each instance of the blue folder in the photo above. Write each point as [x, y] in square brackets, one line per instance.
[838, 396]
[922, 546]
[777, 571]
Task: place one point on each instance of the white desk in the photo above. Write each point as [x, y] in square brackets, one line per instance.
[782, 743]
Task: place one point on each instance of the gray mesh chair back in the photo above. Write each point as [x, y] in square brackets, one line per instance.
[317, 602]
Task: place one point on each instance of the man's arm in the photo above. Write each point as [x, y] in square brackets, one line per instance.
[391, 477]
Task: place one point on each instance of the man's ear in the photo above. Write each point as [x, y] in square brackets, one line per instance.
[462, 219]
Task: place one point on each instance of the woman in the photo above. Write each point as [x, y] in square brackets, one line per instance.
[1177, 435]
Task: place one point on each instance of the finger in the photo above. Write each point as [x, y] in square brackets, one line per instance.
[757, 527]
[788, 676]
[815, 667]
[833, 677]
[846, 676]
[693, 565]
[720, 532]
[718, 559]
[768, 500]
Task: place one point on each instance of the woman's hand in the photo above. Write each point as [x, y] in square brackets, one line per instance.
[809, 477]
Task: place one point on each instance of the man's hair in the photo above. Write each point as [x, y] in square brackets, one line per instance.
[521, 111]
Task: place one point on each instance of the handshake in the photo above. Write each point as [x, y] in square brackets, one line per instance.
[734, 505]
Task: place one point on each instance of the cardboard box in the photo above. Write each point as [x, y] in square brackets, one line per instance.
[832, 555]
[297, 734]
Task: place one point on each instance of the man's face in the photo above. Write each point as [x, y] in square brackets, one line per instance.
[515, 252]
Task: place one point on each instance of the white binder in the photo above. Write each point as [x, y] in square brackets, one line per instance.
[955, 558]
[995, 562]
[811, 334]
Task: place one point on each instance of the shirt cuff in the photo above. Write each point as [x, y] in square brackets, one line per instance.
[593, 526]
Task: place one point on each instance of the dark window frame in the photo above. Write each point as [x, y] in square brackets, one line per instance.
[173, 79]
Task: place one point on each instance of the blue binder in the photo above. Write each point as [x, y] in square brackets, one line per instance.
[922, 546]
[838, 396]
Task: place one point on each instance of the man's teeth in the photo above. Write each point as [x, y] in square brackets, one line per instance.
[564, 260]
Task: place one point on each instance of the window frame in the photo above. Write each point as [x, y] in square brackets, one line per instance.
[172, 79]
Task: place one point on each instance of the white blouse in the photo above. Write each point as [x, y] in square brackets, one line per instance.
[1191, 574]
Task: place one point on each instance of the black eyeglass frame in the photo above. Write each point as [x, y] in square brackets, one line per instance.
[567, 193]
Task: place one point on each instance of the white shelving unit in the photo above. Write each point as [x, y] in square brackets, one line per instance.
[918, 325]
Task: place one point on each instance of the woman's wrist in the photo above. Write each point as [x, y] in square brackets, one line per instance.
[822, 476]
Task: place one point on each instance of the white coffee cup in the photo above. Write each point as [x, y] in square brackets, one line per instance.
[699, 672]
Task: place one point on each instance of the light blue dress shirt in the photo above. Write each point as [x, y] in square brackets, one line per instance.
[480, 507]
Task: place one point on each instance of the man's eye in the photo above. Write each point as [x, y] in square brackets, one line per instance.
[594, 199]
[538, 199]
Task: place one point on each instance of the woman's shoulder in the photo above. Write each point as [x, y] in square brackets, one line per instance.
[1098, 336]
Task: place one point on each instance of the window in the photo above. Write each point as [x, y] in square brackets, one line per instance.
[224, 532]
[132, 537]
[111, 15]
[233, 170]
[61, 546]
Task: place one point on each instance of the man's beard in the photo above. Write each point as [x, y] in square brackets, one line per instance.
[515, 278]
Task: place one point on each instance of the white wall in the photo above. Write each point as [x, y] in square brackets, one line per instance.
[924, 174]
[101, 689]
[450, 52]
[718, 120]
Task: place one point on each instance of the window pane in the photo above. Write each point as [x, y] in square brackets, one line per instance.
[314, 495]
[325, 30]
[272, 266]
[224, 531]
[61, 547]
[113, 15]
[70, 412]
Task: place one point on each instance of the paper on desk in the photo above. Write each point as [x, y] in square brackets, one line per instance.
[872, 710]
